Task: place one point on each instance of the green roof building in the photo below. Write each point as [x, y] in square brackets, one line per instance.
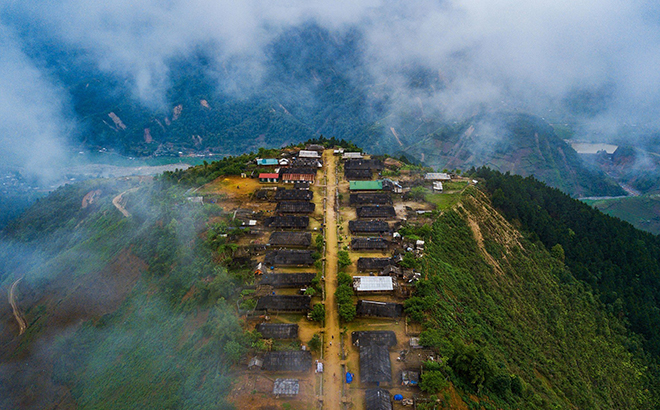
[366, 185]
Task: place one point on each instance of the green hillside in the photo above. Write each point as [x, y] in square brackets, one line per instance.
[514, 325]
[532, 299]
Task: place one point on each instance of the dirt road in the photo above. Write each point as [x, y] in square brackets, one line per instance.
[22, 325]
[116, 201]
[332, 381]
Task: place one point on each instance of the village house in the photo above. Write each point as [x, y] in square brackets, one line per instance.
[289, 257]
[287, 222]
[295, 207]
[287, 280]
[284, 303]
[288, 361]
[280, 331]
[283, 194]
[269, 177]
[290, 239]
[368, 227]
[373, 284]
[437, 176]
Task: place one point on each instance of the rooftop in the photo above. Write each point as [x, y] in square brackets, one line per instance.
[373, 283]
[278, 330]
[365, 185]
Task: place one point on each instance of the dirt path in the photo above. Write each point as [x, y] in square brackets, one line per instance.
[22, 325]
[332, 381]
[116, 201]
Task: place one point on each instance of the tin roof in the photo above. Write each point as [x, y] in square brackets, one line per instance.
[269, 175]
[373, 283]
[365, 185]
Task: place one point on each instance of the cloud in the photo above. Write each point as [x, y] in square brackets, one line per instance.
[33, 126]
[511, 54]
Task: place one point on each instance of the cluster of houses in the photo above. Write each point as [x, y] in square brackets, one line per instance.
[300, 167]
[374, 230]
[289, 246]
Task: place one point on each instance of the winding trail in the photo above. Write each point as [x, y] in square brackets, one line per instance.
[332, 382]
[22, 325]
[116, 201]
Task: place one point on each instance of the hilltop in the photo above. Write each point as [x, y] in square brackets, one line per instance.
[151, 291]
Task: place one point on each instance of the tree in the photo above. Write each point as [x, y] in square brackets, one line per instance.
[343, 259]
[318, 313]
[433, 381]
[315, 342]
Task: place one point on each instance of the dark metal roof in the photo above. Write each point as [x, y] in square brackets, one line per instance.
[377, 399]
[293, 195]
[370, 199]
[284, 303]
[289, 257]
[373, 264]
[288, 361]
[378, 309]
[301, 185]
[368, 226]
[375, 364]
[288, 280]
[374, 164]
[376, 211]
[287, 222]
[298, 170]
[368, 243]
[364, 338]
[294, 207]
[353, 174]
[278, 330]
[281, 238]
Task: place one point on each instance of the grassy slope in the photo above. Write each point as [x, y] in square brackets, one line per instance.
[524, 310]
[643, 212]
[118, 333]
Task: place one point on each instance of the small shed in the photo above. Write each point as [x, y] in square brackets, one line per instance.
[437, 186]
[373, 264]
[368, 226]
[284, 303]
[365, 185]
[255, 363]
[289, 257]
[409, 378]
[373, 284]
[364, 244]
[287, 222]
[269, 177]
[288, 361]
[391, 270]
[372, 308]
[280, 331]
[288, 280]
[377, 399]
[295, 207]
[304, 185]
[376, 211]
[294, 194]
[290, 239]
[286, 387]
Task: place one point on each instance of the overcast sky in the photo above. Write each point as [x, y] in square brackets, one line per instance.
[527, 53]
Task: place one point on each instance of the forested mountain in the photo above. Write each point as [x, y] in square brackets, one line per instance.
[313, 82]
